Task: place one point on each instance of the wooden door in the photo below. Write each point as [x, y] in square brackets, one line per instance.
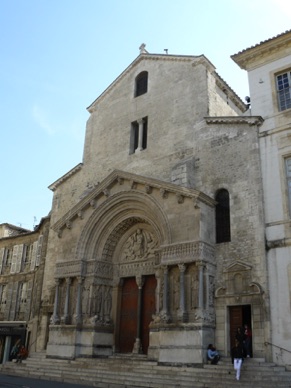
[128, 315]
[235, 321]
[238, 316]
[148, 309]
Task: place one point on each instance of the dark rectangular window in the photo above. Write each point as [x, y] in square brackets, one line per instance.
[139, 129]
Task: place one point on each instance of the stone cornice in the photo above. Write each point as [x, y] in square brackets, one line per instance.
[254, 55]
[118, 177]
[58, 182]
[250, 120]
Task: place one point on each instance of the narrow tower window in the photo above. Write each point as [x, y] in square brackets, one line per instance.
[141, 84]
[222, 216]
[138, 135]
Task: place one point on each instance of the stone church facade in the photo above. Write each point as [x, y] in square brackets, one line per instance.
[132, 257]
[157, 240]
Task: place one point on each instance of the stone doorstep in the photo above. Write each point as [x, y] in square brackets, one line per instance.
[267, 372]
[185, 376]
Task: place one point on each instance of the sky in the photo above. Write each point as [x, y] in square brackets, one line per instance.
[58, 56]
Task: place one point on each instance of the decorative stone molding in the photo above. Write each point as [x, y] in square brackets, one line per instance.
[180, 198]
[134, 181]
[135, 269]
[276, 244]
[164, 193]
[69, 268]
[148, 189]
[106, 192]
[100, 268]
[187, 252]
[250, 120]
[195, 203]
[133, 185]
[93, 203]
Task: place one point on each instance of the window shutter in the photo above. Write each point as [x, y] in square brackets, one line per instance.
[38, 254]
[19, 258]
[10, 303]
[33, 256]
[2, 253]
[29, 297]
[14, 259]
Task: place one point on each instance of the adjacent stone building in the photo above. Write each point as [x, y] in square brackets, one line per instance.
[269, 69]
[22, 260]
[166, 237]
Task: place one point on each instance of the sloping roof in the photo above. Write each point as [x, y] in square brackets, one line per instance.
[66, 176]
[136, 61]
[242, 57]
[175, 58]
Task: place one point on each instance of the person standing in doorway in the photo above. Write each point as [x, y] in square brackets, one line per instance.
[247, 340]
[237, 355]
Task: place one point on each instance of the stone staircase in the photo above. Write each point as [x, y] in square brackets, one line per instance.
[129, 372]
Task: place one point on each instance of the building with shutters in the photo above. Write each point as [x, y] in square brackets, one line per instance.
[22, 260]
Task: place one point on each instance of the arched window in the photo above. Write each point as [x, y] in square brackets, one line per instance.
[141, 84]
[222, 216]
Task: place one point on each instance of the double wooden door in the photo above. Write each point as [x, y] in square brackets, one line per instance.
[131, 318]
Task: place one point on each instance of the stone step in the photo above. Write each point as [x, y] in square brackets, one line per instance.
[121, 372]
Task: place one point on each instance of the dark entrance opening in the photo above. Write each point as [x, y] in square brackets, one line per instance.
[238, 317]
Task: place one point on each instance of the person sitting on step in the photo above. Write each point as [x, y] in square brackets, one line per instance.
[212, 354]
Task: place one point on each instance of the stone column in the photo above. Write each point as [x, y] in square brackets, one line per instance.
[182, 310]
[137, 344]
[78, 315]
[55, 319]
[164, 314]
[158, 291]
[140, 134]
[201, 286]
[66, 317]
[207, 289]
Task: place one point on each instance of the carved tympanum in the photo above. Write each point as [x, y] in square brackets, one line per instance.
[140, 245]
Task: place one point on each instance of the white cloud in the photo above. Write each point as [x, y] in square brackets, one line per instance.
[40, 118]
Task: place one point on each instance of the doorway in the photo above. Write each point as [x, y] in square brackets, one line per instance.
[239, 316]
[129, 313]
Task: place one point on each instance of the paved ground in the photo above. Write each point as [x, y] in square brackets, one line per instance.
[21, 382]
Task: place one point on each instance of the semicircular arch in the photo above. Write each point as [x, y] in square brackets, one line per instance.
[112, 218]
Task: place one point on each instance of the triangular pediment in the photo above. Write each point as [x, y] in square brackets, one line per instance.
[117, 179]
[144, 57]
[238, 266]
